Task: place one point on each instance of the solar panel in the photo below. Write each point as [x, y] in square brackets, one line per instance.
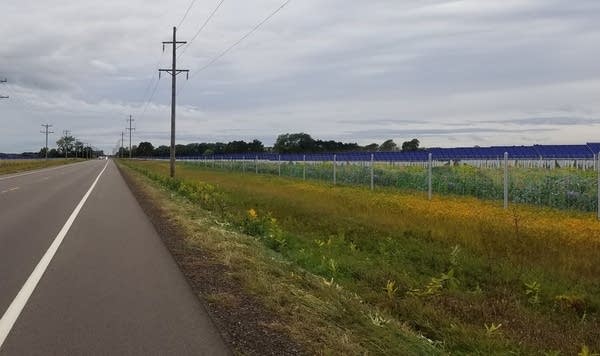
[594, 147]
[564, 151]
[441, 154]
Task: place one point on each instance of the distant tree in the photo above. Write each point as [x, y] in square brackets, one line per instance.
[53, 153]
[372, 147]
[294, 143]
[162, 151]
[236, 147]
[388, 145]
[65, 144]
[411, 146]
[256, 146]
[144, 149]
[42, 152]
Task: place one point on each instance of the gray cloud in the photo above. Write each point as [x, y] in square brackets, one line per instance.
[452, 72]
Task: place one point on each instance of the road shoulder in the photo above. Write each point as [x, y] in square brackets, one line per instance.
[249, 327]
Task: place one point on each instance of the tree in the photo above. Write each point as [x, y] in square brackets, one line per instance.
[144, 149]
[411, 146]
[256, 146]
[388, 145]
[372, 147]
[78, 148]
[294, 143]
[162, 151]
[65, 144]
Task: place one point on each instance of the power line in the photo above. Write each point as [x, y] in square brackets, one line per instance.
[153, 78]
[235, 44]
[212, 14]
[186, 13]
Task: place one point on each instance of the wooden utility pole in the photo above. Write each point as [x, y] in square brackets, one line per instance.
[173, 72]
[47, 131]
[130, 129]
[122, 144]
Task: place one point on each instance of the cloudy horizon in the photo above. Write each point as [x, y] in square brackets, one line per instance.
[450, 73]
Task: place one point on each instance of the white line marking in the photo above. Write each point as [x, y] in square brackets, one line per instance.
[16, 307]
[9, 190]
[43, 170]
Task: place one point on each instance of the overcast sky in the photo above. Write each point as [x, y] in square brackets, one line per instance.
[451, 73]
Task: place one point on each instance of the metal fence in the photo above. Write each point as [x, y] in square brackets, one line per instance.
[568, 184]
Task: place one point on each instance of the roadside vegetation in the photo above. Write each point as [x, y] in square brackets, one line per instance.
[561, 188]
[16, 166]
[351, 271]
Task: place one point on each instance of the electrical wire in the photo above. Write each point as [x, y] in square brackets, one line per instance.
[186, 13]
[202, 27]
[238, 42]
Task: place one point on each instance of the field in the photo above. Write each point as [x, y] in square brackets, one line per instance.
[561, 188]
[457, 274]
[16, 166]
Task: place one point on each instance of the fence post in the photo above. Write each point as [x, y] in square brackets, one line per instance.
[304, 167]
[430, 176]
[334, 169]
[505, 180]
[372, 172]
[279, 164]
[256, 164]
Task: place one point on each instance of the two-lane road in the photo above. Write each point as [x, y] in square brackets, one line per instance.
[82, 271]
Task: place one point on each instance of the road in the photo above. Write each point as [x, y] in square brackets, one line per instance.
[82, 271]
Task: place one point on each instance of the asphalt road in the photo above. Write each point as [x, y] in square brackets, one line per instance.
[90, 277]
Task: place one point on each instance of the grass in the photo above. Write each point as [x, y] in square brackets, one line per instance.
[468, 275]
[561, 188]
[16, 166]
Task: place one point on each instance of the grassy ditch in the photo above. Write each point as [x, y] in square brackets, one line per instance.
[467, 275]
[16, 166]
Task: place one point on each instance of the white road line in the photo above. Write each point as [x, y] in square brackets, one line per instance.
[16, 307]
[41, 170]
[9, 190]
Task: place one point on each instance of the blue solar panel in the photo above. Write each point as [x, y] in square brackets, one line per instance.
[441, 154]
[594, 147]
[564, 151]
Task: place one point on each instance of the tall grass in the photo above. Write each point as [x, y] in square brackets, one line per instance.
[561, 188]
[468, 275]
[16, 166]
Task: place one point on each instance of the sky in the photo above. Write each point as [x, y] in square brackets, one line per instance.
[450, 73]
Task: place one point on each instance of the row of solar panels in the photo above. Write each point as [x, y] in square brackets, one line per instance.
[577, 152]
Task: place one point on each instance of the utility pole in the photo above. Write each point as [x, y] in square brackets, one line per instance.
[130, 129]
[122, 143]
[3, 81]
[173, 72]
[47, 131]
[66, 133]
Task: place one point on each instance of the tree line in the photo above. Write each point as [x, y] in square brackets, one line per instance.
[69, 146]
[285, 143]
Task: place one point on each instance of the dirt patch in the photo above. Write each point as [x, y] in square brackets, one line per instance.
[245, 324]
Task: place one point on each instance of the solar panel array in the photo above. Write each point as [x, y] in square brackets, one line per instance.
[536, 152]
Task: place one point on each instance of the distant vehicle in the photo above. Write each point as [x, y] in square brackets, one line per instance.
[102, 157]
